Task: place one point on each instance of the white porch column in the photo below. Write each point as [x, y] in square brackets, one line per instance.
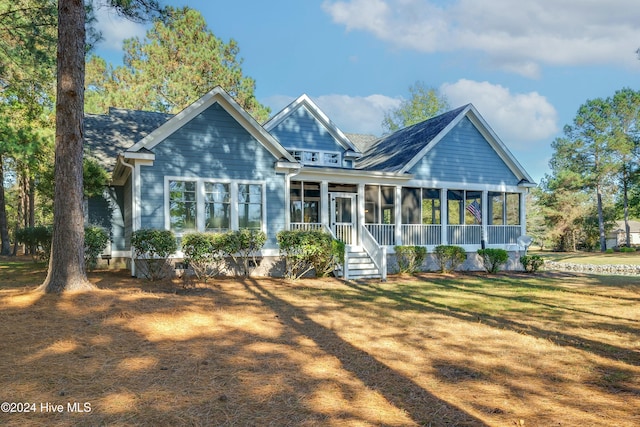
[523, 213]
[444, 217]
[324, 203]
[360, 212]
[287, 202]
[485, 217]
[397, 208]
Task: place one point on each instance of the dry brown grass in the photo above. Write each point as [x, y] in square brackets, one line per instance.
[428, 350]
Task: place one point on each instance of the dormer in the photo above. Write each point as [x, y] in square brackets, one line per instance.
[311, 137]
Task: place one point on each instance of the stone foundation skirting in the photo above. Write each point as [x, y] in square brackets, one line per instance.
[623, 270]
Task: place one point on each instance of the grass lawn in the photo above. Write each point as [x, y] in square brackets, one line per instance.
[596, 258]
[467, 349]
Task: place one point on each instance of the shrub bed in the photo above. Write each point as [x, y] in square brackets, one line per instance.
[449, 257]
[410, 258]
[305, 251]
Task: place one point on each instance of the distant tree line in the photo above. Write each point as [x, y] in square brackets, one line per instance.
[594, 178]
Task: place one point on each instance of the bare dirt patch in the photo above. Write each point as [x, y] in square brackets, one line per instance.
[428, 350]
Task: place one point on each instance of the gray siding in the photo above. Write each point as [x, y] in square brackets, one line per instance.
[212, 145]
[302, 130]
[127, 213]
[464, 155]
[106, 211]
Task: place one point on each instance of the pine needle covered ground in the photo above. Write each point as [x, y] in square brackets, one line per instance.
[465, 349]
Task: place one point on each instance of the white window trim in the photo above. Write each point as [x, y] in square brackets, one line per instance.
[233, 190]
[321, 154]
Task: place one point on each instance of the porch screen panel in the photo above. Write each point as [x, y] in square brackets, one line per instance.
[496, 208]
[430, 206]
[411, 206]
[455, 209]
[311, 202]
[182, 205]
[217, 208]
[296, 201]
[513, 208]
[473, 204]
[371, 204]
[250, 206]
[387, 196]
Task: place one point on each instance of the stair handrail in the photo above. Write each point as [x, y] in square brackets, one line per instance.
[345, 265]
[376, 252]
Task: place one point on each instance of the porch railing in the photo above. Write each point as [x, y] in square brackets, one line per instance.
[344, 232]
[421, 234]
[464, 234]
[384, 234]
[377, 253]
[309, 226]
[503, 234]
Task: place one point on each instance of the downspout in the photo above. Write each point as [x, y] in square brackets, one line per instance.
[133, 208]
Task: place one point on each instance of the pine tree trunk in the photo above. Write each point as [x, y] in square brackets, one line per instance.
[625, 186]
[5, 245]
[66, 266]
[603, 236]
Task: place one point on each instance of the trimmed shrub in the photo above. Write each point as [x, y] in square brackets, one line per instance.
[410, 258]
[95, 241]
[243, 246]
[492, 259]
[307, 250]
[609, 251]
[627, 249]
[204, 253]
[449, 257]
[37, 239]
[531, 263]
[152, 249]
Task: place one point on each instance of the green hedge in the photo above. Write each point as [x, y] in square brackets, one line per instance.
[37, 239]
[309, 250]
[243, 246]
[204, 253]
[152, 249]
[449, 257]
[493, 258]
[531, 263]
[410, 258]
[96, 239]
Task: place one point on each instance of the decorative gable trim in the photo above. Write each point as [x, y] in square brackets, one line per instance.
[490, 136]
[306, 102]
[222, 98]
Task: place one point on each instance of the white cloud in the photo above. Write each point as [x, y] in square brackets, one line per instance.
[517, 37]
[352, 114]
[518, 118]
[115, 29]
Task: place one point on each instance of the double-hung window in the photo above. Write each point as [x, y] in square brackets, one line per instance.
[217, 207]
[250, 206]
[182, 206]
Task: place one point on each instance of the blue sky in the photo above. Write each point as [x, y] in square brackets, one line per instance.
[526, 66]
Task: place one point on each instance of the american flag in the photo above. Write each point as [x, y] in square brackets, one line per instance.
[474, 209]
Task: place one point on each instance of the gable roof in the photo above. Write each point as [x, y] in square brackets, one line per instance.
[107, 135]
[401, 150]
[222, 98]
[304, 101]
[393, 152]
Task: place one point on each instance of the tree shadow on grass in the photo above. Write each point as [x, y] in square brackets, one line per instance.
[423, 407]
[419, 303]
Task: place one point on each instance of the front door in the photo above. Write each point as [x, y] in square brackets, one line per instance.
[343, 217]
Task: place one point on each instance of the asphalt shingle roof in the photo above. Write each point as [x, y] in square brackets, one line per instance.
[108, 135]
[392, 152]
